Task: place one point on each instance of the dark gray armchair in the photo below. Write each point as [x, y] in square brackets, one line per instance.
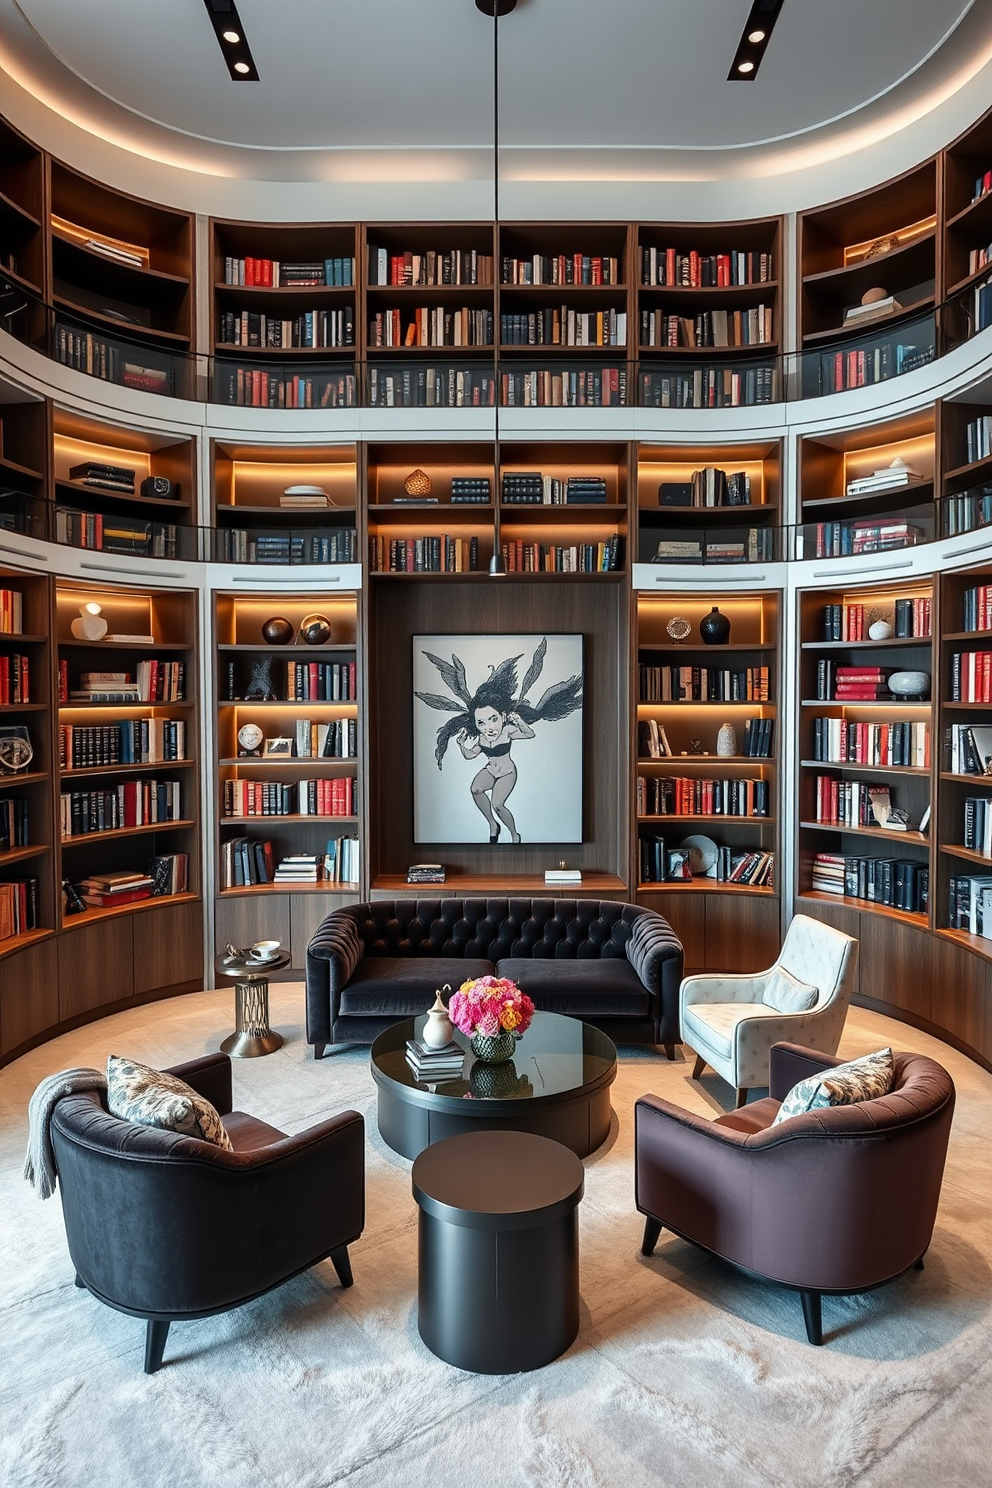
[167, 1227]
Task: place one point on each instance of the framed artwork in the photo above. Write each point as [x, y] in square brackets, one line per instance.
[497, 738]
[278, 749]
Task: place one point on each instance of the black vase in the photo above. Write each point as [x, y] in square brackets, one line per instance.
[714, 628]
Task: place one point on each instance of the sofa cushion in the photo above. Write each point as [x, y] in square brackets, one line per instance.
[711, 1027]
[844, 1085]
[152, 1098]
[607, 988]
[404, 986]
[786, 993]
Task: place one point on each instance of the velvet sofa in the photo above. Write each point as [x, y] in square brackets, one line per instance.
[616, 966]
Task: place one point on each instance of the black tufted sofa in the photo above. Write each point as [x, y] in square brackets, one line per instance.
[617, 966]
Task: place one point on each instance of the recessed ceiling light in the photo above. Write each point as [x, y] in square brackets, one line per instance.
[234, 36]
[230, 33]
[741, 66]
[754, 36]
[243, 67]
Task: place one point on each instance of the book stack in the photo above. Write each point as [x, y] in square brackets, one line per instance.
[855, 803]
[440, 554]
[564, 327]
[843, 539]
[304, 498]
[583, 489]
[978, 825]
[111, 890]
[104, 477]
[312, 328]
[562, 875]
[683, 796]
[335, 740]
[588, 387]
[679, 550]
[850, 684]
[133, 803]
[523, 487]
[332, 545]
[435, 1064]
[709, 387]
[106, 687]
[430, 387]
[707, 328]
[470, 489]
[299, 868]
[889, 478]
[425, 873]
[160, 681]
[874, 310]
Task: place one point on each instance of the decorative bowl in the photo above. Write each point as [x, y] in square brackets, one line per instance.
[909, 684]
[702, 852]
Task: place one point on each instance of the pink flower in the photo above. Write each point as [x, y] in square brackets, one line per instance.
[488, 1022]
[489, 1005]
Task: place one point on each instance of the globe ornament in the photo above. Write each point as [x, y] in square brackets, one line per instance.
[315, 630]
[277, 631]
[678, 628]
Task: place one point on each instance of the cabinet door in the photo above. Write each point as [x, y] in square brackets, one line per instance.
[168, 947]
[29, 995]
[743, 932]
[243, 919]
[897, 965]
[96, 966]
[686, 913]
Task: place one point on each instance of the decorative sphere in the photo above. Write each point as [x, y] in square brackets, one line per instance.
[879, 630]
[872, 296]
[909, 684]
[678, 628]
[702, 852]
[315, 630]
[277, 631]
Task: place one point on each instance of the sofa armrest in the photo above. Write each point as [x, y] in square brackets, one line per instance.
[654, 952]
[312, 1188]
[790, 1063]
[209, 1077]
[337, 941]
[708, 988]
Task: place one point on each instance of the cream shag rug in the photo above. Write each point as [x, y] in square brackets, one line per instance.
[684, 1374]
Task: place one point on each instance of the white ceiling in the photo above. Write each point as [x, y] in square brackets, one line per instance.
[585, 84]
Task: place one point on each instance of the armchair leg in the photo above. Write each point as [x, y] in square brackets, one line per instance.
[670, 1051]
[918, 1265]
[81, 1283]
[318, 1051]
[155, 1335]
[341, 1261]
[652, 1229]
[813, 1316]
[741, 1099]
[698, 1067]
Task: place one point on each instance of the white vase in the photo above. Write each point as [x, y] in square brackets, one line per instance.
[439, 1029]
[726, 741]
[89, 627]
[880, 630]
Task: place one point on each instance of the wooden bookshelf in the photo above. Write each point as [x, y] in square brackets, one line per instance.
[965, 487]
[253, 686]
[252, 524]
[25, 445]
[712, 912]
[967, 220]
[711, 529]
[23, 238]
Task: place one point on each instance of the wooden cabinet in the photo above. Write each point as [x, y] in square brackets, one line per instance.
[29, 995]
[96, 966]
[735, 931]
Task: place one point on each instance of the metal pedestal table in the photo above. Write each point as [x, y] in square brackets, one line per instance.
[252, 1035]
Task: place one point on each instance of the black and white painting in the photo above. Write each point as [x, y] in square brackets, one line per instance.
[497, 738]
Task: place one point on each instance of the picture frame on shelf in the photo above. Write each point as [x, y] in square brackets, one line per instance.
[278, 748]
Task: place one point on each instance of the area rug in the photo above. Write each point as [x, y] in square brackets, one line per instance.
[684, 1374]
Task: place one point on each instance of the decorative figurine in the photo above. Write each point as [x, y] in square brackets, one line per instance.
[315, 630]
[726, 741]
[260, 682]
[696, 746]
[90, 626]
[678, 628]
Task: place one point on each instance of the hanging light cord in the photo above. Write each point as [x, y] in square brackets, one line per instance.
[496, 262]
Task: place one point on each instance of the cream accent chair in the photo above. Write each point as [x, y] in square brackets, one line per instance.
[726, 1024]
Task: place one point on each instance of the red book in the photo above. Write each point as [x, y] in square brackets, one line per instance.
[108, 901]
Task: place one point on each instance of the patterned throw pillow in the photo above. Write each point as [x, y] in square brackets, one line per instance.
[152, 1098]
[787, 994]
[845, 1085]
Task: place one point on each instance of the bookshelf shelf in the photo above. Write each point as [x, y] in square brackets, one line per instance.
[884, 911]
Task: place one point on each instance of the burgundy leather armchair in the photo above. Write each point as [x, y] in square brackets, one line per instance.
[833, 1202]
[166, 1227]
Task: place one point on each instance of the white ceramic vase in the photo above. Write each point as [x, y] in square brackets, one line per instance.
[439, 1029]
[726, 741]
[880, 630]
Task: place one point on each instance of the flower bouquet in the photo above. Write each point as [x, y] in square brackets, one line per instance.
[493, 1013]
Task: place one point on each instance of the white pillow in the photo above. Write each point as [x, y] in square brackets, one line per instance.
[844, 1085]
[787, 994]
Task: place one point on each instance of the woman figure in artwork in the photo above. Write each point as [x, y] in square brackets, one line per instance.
[486, 723]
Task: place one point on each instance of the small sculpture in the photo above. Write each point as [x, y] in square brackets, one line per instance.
[260, 682]
[678, 628]
[726, 741]
[418, 483]
[695, 746]
[90, 626]
[277, 631]
[315, 630]
[439, 1029]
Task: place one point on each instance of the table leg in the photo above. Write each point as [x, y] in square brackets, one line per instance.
[252, 1035]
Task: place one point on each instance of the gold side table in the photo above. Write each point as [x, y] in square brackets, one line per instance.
[252, 1035]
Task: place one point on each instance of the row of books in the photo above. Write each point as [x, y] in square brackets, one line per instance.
[846, 622]
[431, 387]
[254, 387]
[756, 546]
[850, 684]
[311, 328]
[980, 314]
[153, 681]
[699, 684]
[897, 883]
[598, 557]
[839, 741]
[965, 510]
[342, 860]
[335, 739]
[15, 679]
[977, 607]
[430, 267]
[431, 326]
[978, 438]
[851, 803]
[708, 487]
[101, 358]
[564, 327]
[678, 795]
[270, 273]
[13, 823]
[114, 533]
[694, 270]
[561, 268]
[658, 865]
[842, 539]
[132, 803]
[97, 475]
[970, 904]
[244, 861]
[709, 387]
[134, 741]
[971, 677]
[18, 907]
[968, 748]
[707, 328]
[322, 797]
[838, 371]
[978, 258]
[756, 742]
[978, 825]
[321, 681]
[262, 545]
[11, 612]
[591, 387]
[531, 488]
[440, 554]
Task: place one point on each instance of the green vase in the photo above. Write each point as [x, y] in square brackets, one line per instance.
[494, 1081]
[493, 1048]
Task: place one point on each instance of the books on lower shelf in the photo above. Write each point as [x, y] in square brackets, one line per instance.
[968, 748]
[904, 743]
[660, 864]
[896, 883]
[114, 890]
[852, 684]
[429, 268]
[259, 387]
[668, 795]
[598, 557]
[18, 907]
[298, 868]
[970, 904]
[757, 545]
[431, 387]
[845, 539]
[564, 326]
[892, 477]
[337, 739]
[246, 862]
[103, 533]
[747, 327]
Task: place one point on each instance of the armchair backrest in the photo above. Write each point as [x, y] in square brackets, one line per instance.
[822, 957]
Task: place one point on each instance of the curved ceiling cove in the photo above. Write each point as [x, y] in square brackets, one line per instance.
[577, 77]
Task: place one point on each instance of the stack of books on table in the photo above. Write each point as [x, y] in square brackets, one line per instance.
[435, 1064]
[106, 687]
[299, 868]
[110, 890]
[425, 873]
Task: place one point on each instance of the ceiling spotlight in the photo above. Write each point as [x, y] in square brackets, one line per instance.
[233, 36]
[230, 34]
[741, 66]
[754, 39]
[752, 36]
[243, 67]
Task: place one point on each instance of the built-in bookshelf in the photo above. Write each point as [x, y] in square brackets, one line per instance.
[709, 503]
[25, 443]
[967, 216]
[965, 500]
[430, 509]
[426, 287]
[705, 767]
[119, 489]
[285, 504]
[289, 745]
[22, 231]
[866, 744]
[867, 490]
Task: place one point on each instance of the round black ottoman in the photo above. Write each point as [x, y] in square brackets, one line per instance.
[499, 1250]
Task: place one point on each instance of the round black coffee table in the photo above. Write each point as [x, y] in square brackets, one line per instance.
[498, 1287]
[556, 1085]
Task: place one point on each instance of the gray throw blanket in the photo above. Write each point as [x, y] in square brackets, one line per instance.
[39, 1160]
